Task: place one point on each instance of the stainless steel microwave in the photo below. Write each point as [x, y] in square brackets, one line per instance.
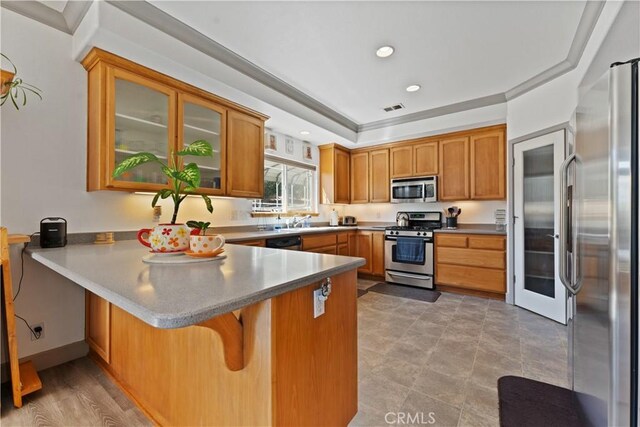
[412, 190]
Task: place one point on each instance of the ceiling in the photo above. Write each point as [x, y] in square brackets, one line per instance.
[457, 51]
[315, 60]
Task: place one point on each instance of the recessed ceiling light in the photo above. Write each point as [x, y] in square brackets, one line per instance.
[384, 51]
[305, 132]
[413, 88]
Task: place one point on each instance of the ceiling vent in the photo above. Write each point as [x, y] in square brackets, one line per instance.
[393, 108]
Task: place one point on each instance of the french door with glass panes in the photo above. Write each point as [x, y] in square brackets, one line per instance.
[536, 209]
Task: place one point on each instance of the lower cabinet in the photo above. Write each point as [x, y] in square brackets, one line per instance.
[258, 243]
[471, 261]
[98, 325]
[370, 246]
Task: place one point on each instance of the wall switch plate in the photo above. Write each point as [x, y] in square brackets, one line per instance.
[318, 303]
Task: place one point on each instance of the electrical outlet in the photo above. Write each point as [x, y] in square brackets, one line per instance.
[318, 303]
[378, 215]
[36, 327]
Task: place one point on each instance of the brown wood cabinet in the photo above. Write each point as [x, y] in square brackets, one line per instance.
[370, 246]
[98, 325]
[425, 159]
[259, 243]
[285, 349]
[471, 261]
[135, 109]
[401, 161]
[453, 183]
[245, 174]
[360, 177]
[379, 182]
[334, 174]
[488, 165]
[470, 165]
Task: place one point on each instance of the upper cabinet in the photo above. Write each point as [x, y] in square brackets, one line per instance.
[134, 109]
[360, 177]
[401, 161]
[334, 174]
[425, 159]
[470, 165]
[488, 165]
[379, 183]
[454, 169]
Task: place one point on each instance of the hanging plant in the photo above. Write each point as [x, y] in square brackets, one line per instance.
[14, 88]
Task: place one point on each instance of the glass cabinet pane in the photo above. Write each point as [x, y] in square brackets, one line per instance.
[539, 268]
[141, 125]
[198, 123]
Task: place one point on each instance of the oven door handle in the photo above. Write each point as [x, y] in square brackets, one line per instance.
[409, 276]
[395, 239]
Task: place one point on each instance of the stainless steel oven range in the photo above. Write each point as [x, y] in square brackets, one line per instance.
[408, 250]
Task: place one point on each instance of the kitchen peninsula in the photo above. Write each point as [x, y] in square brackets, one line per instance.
[230, 342]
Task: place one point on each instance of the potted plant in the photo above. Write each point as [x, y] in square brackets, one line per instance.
[14, 88]
[199, 225]
[183, 181]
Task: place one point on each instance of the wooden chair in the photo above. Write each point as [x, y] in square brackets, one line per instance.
[24, 378]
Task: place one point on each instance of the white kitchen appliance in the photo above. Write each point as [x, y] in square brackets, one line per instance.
[412, 190]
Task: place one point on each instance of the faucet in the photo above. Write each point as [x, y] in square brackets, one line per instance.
[296, 221]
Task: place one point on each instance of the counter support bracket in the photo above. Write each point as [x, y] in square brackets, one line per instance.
[230, 329]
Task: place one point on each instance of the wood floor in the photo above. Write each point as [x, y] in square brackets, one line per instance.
[77, 393]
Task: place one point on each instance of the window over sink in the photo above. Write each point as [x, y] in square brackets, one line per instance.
[289, 186]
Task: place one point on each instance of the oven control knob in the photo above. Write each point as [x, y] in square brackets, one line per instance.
[397, 232]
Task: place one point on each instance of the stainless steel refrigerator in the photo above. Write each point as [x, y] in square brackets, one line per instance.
[599, 248]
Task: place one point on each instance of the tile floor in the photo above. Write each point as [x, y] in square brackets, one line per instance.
[443, 359]
[435, 361]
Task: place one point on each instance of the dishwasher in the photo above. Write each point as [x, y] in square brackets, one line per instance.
[292, 243]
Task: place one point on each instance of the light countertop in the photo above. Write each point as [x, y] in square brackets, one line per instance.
[473, 229]
[174, 296]
[239, 236]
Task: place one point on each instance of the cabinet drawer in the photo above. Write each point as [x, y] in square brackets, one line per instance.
[318, 241]
[483, 279]
[343, 237]
[451, 240]
[471, 257]
[259, 243]
[331, 250]
[497, 243]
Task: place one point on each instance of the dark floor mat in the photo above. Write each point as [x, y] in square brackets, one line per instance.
[420, 294]
[529, 403]
[361, 292]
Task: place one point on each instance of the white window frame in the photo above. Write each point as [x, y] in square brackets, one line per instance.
[284, 208]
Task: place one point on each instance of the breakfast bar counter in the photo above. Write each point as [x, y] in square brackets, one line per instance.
[225, 342]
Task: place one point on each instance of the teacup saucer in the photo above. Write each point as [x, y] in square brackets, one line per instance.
[204, 255]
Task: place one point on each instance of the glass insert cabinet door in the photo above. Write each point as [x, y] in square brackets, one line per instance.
[202, 120]
[536, 210]
[141, 119]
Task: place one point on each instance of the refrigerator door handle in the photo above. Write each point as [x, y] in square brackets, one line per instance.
[564, 225]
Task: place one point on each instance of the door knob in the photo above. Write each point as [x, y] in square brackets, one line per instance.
[553, 236]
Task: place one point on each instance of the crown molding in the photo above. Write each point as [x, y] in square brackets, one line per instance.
[66, 21]
[74, 12]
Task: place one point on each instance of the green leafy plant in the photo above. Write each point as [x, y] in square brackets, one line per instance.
[183, 180]
[16, 89]
[201, 225]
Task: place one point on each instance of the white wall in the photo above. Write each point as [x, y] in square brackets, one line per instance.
[43, 170]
